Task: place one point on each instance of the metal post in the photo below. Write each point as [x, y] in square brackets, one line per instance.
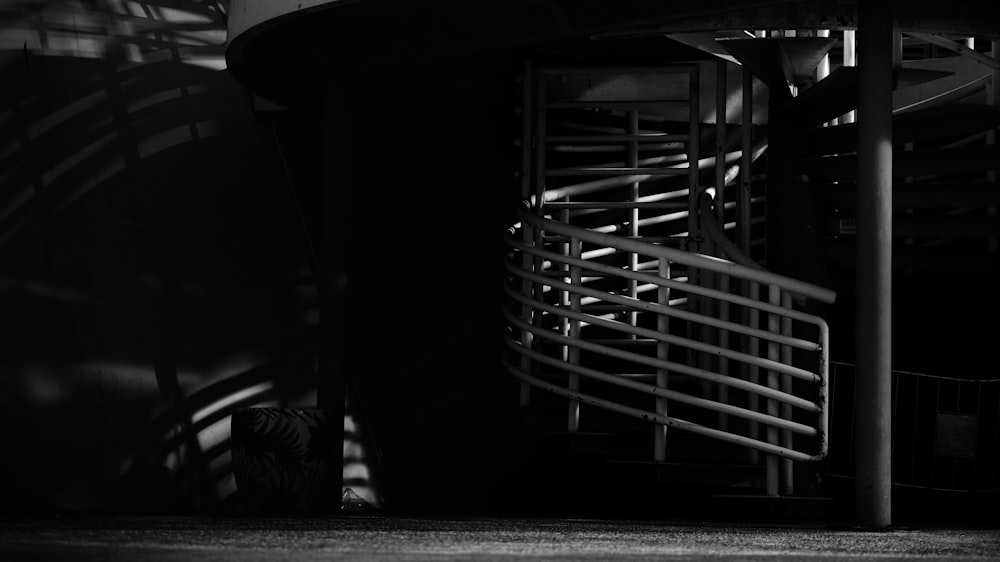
[850, 59]
[746, 179]
[754, 370]
[694, 141]
[991, 135]
[787, 473]
[575, 249]
[662, 353]
[632, 161]
[773, 354]
[527, 232]
[873, 331]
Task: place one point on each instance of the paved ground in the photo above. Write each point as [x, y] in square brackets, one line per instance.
[399, 538]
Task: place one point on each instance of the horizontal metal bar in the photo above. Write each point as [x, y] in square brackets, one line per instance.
[625, 105]
[768, 364]
[665, 420]
[572, 205]
[634, 303]
[603, 148]
[639, 137]
[619, 70]
[701, 261]
[683, 286]
[615, 172]
[732, 382]
[622, 381]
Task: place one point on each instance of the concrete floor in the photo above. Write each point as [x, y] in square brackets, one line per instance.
[367, 537]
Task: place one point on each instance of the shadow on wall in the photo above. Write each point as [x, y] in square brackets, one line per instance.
[151, 277]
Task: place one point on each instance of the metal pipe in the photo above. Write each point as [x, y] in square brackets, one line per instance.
[694, 141]
[746, 180]
[787, 473]
[874, 267]
[689, 259]
[664, 394]
[632, 160]
[753, 371]
[571, 247]
[993, 244]
[662, 353]
[681, 284]
[672, 422]
[772, 364]
[772, 466]
[720, 139]
[682, 368]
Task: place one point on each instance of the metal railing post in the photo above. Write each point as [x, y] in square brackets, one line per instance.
[632, 161]
[573, 355]
[527, 232]
[787, 473]
[993, 244]
[774, 354]
[662, 353]
[754, 370]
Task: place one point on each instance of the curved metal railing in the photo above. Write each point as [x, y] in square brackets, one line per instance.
[772, 373]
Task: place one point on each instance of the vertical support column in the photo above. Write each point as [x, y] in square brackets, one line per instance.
[662, 353]
[874, 267]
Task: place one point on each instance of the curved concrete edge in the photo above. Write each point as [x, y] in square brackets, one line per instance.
[248, 19]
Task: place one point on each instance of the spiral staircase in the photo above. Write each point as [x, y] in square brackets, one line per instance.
[642, 323]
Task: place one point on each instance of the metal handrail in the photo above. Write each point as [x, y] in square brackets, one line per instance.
[700, 261]
[534, 334]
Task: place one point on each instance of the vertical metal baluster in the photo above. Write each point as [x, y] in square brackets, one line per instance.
[954, 459]
[774, 354]
[541, 115]
[787, 474]
[937, 408]
[996, 449]
[993, 244]
[693, 149]
[632, 161]
[743, 200]
[527, 232]
[754, 370]
[913, 425]
[574, 332]
[662, 353]
[895, 407]
[721, 91]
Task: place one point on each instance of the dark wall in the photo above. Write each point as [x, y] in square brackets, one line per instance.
[152, 276]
